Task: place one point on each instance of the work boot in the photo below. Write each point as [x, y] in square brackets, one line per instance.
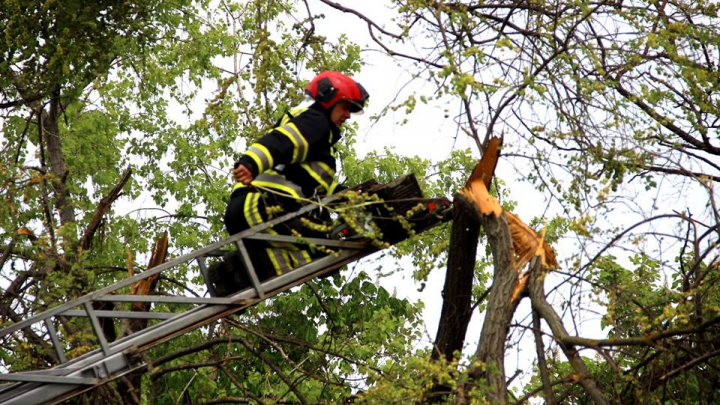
[215, 274]
[228, 275]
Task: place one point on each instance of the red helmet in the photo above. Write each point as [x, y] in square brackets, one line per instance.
[329, 87]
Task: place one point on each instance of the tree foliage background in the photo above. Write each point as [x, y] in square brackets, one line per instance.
[609, 111]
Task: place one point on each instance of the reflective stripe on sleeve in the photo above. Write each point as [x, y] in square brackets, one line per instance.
[275, 182]
[300, 145]
[292, 114]
[262, 157]
[237, 186]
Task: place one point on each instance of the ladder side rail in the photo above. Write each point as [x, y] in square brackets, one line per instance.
[171, 328]
[250, 269]
[120, 314]
[158, 269]
[50, 379]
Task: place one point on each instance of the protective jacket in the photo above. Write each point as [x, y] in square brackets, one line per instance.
[294, 161]
[296, 158]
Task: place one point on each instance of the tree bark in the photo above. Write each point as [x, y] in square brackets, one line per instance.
[546, 311]
[457, 293]
[58, 166]
[131, 385]
[491, 348]
[542, 363]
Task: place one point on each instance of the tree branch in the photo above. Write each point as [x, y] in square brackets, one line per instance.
[370, 22]
[275, 368]
[543, 308]
[542, 363]
[101, 209]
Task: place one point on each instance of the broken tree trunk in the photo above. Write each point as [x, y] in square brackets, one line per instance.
[457, 306]
[457, 293]
[460, 274]
[490, 352]
[513, 244]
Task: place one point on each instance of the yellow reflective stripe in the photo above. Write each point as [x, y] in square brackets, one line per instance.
[262, 157]
[256, 209]
[296, 146]
[280, 183]
[315, 175]
[330, 173]
[300, 145]
[294, 113]
[237, 186]
[256, 158]
[246, 210]
[287, 191]
[322, 173]
[288, 261]
[274, 260]
[271, 162]
[300, 258]
[251, 211]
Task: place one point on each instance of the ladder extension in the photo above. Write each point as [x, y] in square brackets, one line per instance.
[112, 360]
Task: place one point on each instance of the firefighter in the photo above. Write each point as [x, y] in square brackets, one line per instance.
[292, 163]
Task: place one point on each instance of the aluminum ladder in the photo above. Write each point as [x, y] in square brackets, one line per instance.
[112, 360]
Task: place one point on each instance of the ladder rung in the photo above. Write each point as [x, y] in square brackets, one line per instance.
[55, 341]
[167, 299]
[206, 275]
[250, 269]
[121, 314]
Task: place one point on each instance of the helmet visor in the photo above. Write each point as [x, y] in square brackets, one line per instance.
[356, 107]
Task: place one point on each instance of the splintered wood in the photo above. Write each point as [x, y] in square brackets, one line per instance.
[145, 286]
[527, 244]
[476, 193]
[476, 188]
